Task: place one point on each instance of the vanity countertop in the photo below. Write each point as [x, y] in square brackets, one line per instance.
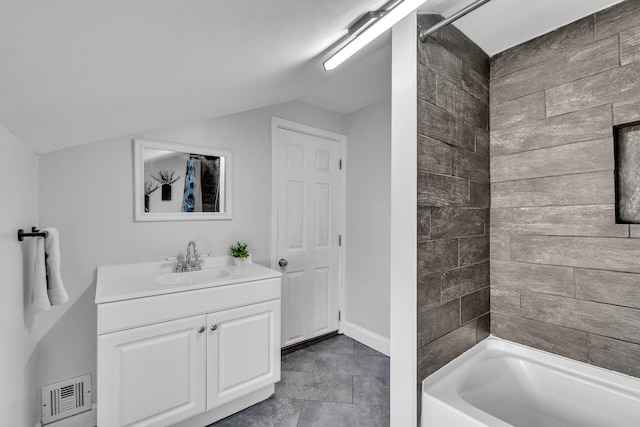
[129, 281]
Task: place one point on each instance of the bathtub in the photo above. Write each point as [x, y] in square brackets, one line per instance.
[498, 383]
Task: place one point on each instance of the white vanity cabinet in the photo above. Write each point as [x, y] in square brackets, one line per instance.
[152, 375]
[241, 351]
[189, 357]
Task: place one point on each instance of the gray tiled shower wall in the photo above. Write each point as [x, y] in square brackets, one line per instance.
[564, 276]
[453, 196]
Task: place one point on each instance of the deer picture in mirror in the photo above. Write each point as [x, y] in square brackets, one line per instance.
[195, 181]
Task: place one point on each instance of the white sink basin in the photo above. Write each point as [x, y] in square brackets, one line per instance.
[192, 277]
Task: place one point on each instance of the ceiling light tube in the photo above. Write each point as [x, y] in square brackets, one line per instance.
[387, 21]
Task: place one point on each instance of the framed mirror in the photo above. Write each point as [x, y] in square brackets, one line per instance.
[177, 182]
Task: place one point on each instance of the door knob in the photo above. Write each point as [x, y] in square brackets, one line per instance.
[214, 327]
[201, 329]
[283, 262]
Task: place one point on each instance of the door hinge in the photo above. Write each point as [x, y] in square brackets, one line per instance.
[340, 164]
[340, 240]
[339, 315]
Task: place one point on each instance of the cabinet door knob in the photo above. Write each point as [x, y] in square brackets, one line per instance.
[201, 329]
[214, 327]
[283, 262]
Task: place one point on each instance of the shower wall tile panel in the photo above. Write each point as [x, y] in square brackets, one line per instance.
[456, 222]
[591, 188]
[482, 142]
[499, 247]
[480, 194]
[580, 157]
[453, 183]
[429, 291]
[555, 339]
[521, 110]
[563, 68]
[618, 18]
[473, 250]
[440, 60]
[595, 90]
[442, 190]
[588, 220]
[626, 112]
[608, 286]
[443, 350]
[568, 38]
[614, 354]
[565, 277]
[578, 126]
[474, 305]
[630, 46]
[438, 123]
[505, 301]
[483, 327]
[545, 279]
[468, 52]
[476, 84]
[434, 156]
[459, 282]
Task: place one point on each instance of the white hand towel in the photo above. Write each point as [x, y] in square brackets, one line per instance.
[39, 297]
[57, 293]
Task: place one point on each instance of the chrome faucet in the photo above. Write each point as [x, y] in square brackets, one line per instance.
[191, 262]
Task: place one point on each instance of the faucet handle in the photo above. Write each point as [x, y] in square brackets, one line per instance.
[179, 265]
[196, 261]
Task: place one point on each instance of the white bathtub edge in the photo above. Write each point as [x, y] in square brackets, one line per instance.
[447, 398]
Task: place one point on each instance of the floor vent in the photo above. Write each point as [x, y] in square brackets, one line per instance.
[66, 398]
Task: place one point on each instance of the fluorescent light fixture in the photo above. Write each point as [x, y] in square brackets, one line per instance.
[388, 20]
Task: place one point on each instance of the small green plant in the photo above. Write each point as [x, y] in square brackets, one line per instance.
[165, 177]
[148, 188]
[239, 250]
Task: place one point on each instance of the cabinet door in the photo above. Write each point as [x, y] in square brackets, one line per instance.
[153, 375]
[243, 351]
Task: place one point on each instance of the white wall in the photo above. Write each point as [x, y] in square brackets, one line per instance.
[368, 219]
[404, 264]
[87, 193]
[19, 400]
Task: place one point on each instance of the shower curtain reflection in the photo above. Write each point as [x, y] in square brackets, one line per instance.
[202, 185]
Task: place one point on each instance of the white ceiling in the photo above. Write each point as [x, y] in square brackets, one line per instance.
[77, 71]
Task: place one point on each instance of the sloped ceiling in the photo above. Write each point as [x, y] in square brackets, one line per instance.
[78, 71]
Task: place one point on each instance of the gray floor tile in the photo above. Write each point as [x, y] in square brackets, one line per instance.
[299, 361]
[337, 382]
[340, 344]
[371, 416]
[371, 390]
[363, 349]
[313, 386]
[325, 414]
[274, 412]
[353, 364]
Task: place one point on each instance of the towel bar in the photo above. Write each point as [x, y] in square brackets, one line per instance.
[34, 233]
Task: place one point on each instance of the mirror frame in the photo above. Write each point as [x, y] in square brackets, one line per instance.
[138, 181]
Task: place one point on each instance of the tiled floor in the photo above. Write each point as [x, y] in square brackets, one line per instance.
[336, 382]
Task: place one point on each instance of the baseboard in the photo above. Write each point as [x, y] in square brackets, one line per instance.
[84, 419]
[306, 343]
[366, 337]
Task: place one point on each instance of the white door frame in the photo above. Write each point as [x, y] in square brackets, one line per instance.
[277, 123]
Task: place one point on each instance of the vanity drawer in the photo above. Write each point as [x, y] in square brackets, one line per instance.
[120, 315]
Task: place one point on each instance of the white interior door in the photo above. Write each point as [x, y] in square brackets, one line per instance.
[307, 221]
